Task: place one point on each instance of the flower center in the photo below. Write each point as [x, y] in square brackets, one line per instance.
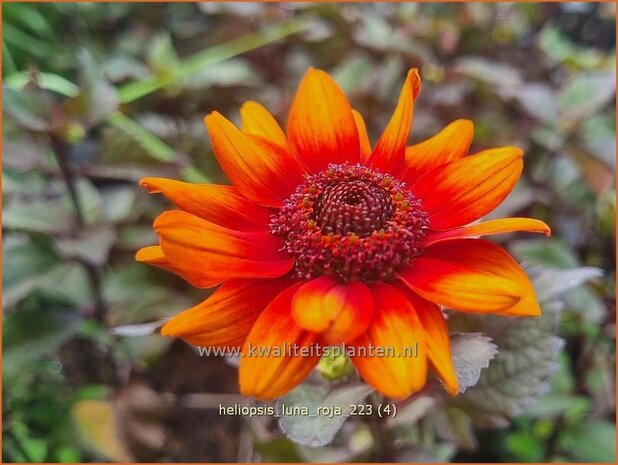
[352, 222]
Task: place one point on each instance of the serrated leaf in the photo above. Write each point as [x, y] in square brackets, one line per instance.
[520, 371]
[471, 352]
[315, 430]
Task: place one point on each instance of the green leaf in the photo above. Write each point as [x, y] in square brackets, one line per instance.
[91, 245]
[232, 72]
[586, 95]
[313, 429]
[135, 90]
[471, 352]
[95, 102]
[48, 81]
[499, 75]
[25, 265]
[525, 447]
[539, 101]
[560, 49]
[68, 282]
[56, 215]
[31, 332]
[118, 202]
[45, 216]
[551, 283]
[31, 110]
[553, 405]
[162, 58]
[593, 441]
[552, 252]
[599, 133]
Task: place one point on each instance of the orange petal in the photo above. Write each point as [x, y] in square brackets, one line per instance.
[153, 255]
[225, 318]
[466, 189]
[363, 137]
[214, 253]
[439, 342]
[269, 367]
[261, 170]
[451, 143]
[389, 153]
[472, 275]
[341, 312]
[397, 332]
[503, 225]
[257, 120]
[321, 127]
[222, 205]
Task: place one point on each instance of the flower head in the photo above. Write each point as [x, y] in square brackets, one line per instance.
[323, 240]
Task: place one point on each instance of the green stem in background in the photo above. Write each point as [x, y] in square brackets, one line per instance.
[135, 90]
[154, 146]
[383, 442]
[62, 153]
[20, 447]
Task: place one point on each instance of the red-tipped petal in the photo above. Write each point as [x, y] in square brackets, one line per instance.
[389, 153]
[363, 137]
[226, 317]
[321, 127]
[472, 275]
[261, 170]
[451, 143]
[222, 205]
[339, 311]
[258, 121]
[395, 328]
[464, 190]
[438, 340]
[500, 226]
[215, 254]
[153, 255]
[268, 368]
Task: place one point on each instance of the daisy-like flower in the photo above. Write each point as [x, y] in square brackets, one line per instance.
[322, 239]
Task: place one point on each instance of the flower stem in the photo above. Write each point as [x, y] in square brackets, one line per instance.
[61, 151]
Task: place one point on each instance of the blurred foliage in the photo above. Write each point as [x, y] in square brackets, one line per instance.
[98, 95]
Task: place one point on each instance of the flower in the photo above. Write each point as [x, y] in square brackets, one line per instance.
[323, 240]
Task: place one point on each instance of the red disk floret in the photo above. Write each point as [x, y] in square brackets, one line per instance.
[352, 222]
